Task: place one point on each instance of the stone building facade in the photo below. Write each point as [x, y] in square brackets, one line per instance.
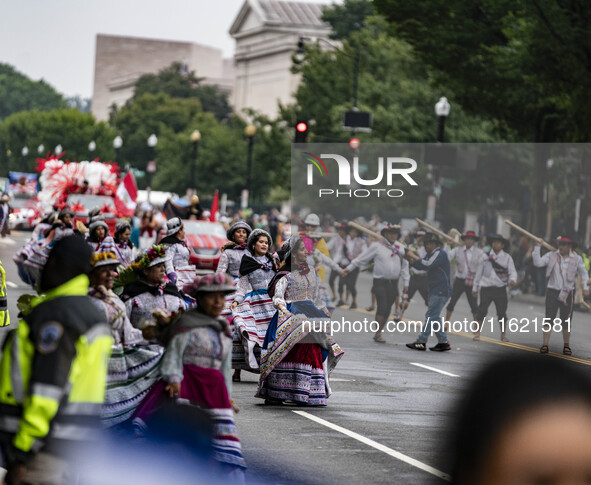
[267, 34]
[120, 61]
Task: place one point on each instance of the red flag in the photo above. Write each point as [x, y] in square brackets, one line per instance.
[215, 207]
[126, 196]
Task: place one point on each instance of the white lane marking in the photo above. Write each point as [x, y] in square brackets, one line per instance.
[11, 284]
[339, 379]
[434, 369]
[7, 240]
[377, 446]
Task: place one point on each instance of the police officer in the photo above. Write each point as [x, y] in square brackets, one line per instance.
[53, 371]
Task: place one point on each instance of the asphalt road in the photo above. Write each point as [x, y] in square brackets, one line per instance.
[386, 421]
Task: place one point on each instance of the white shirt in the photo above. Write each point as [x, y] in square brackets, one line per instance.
[336, 246]
[486, 276]
[386, 264]
[472, 258]
[556, 280]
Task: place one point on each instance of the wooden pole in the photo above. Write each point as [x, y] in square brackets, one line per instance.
[367, 231]
[436, 231]
[530, 235]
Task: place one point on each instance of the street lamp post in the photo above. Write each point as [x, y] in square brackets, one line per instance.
[195, 139]
[442, 108]
[151, 167]
[24, 152]
[117, 144]
[91, 148]
[41, 149]
[249, 132]
[58, 150]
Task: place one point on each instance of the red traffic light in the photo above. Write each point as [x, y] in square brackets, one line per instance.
[302, 127]
[354, 143]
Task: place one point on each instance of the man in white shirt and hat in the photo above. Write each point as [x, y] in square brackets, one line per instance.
[389, 266]
[562, 268]
[495, 272]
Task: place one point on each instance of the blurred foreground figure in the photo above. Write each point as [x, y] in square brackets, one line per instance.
[524, 420]
[53, 372]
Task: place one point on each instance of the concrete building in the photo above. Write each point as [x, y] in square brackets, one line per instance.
[120, 61]
[267, 34]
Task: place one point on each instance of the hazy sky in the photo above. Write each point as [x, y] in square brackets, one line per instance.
[55, 39]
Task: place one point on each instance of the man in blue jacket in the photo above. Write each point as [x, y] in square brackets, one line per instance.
[436, 263]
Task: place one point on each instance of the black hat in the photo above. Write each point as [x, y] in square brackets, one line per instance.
[432, 237]
[499, 237]
[69, 257]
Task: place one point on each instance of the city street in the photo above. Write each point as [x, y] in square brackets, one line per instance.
[390, 406]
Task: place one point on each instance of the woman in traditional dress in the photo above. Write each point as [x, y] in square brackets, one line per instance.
[297, 356]
[133, 366]
[196, 367]
[98, 236]
[230, 260]
[148, 230]
[150, 291]
[123, 244]
[178, 269]
[252, 303]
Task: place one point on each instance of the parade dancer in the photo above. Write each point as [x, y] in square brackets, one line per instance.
[354, 247]
[229, 263]
[436, 263]
[149, 290]
[296, 361]
[133, 365]
[495, 271]
[178, 269]
[257, 268]
[98, 236]
[467, 258]
[389, 265]
[562, 268]
[123, 246]
[196, 369]
[418, 277]
[337, 248]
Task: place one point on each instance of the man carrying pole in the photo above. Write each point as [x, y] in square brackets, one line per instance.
[562, 267]
[496, 271]
[389, 265]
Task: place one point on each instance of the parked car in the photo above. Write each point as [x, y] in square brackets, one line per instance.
[82, 204]
[25, 213]
[205, 240]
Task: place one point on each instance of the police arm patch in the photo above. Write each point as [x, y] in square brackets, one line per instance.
[49, 337]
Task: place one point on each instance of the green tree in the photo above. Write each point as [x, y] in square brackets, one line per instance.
[348, 17]
[69, 128]
[19, 93]
[522, 63]
[177, 82]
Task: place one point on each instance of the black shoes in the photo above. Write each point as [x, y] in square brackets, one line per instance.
[422, 346]
[441, 347]
[417, 346]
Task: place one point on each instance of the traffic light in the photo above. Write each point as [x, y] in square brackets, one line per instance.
[301, 131]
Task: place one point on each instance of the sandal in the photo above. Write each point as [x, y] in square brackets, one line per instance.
[544, 349]
[567, 350]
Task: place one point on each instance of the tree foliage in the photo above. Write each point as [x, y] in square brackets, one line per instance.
[525, 63]
[177, 82]
[19, 93]
[69, 128]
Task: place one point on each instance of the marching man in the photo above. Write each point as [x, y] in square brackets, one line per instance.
[389, 265]
[496, 271]
[468, 258]
[562, 267]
